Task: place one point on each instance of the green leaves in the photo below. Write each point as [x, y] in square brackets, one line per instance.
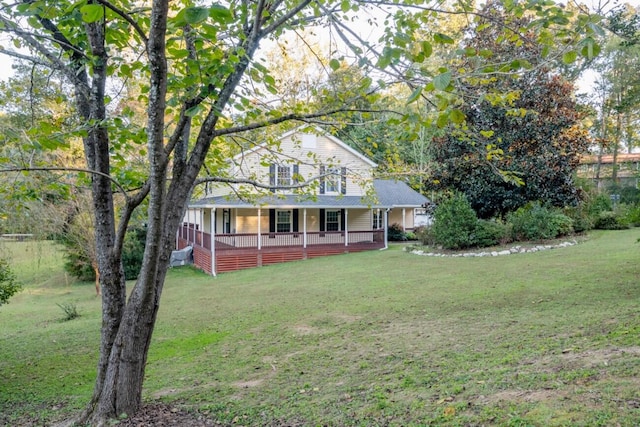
[196, 15]
[569, 57]
[442, 81]
[92, 12]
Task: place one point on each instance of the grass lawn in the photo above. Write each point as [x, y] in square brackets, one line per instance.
[375, 338]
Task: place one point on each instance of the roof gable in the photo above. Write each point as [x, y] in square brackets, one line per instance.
[304, 129]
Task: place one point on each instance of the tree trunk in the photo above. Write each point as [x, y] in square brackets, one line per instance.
[96, 271]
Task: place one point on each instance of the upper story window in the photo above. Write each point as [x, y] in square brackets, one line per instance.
[333, 180]
[283, 176]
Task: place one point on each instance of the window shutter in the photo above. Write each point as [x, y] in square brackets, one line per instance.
[296, 172]
[322, 220]
[343, 218]
[343, 180]
[272, 220]
[296, 216]
[322, 180]
[272, 177]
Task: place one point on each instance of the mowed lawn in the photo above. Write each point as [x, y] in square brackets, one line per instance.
[375, 338]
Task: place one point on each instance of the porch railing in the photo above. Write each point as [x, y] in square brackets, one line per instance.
[192, 235]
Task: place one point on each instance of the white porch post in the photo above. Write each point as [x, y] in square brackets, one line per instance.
[213, 241]
[202, 227]
[304, 228]
[346, 229]
[193, 225]
[404, 225]
[386, 229]
[259, 229]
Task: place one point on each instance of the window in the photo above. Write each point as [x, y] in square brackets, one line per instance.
[283, 176]
[283, 221]
[332, 220]
[333, 180]
[377, 219]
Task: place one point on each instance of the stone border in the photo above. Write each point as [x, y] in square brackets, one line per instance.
[510, 251]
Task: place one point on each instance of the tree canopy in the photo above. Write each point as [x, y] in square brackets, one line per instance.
[529, 126]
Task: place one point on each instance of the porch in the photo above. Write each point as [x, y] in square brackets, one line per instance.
[236, 251]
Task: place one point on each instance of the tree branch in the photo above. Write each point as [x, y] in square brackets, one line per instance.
[257, 184]
[68, 169]
[127, 18]
[291, 117]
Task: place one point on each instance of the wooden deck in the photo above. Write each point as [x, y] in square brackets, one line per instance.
[237, 252]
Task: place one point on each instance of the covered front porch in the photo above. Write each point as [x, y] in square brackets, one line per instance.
[277, 235]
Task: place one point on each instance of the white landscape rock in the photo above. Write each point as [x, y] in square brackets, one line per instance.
[510, 251]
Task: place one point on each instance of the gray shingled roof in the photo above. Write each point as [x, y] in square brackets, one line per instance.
[393, 193]
[389, 193]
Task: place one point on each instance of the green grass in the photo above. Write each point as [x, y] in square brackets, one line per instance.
[375, 338]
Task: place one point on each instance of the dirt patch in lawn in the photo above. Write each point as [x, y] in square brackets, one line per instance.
[572, 358]
[161, 415]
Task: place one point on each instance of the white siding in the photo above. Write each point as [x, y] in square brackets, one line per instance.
[254, 165]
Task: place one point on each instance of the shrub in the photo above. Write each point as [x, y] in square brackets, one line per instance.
[395, 233]
[582, 221]
[611, 220]
[629, 195]
[535, 222]
[9, 285]
[490, 233]
[425, 235]
[77, 263]
[598, 203]
[454, 223]
[632, 215]
[70, 311]
[133, 251]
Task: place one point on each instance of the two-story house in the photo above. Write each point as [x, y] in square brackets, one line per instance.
[344, 209]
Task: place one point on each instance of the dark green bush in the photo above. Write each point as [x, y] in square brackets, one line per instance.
[610, 220]
[8, 283]
[490, 233]
[597, 203]
[133, 251]
[582, 221]
[79, 265]
[395, 233]
[632, 215]
[76, 261]
[629, 195]
[536, 222]
[454, 223]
